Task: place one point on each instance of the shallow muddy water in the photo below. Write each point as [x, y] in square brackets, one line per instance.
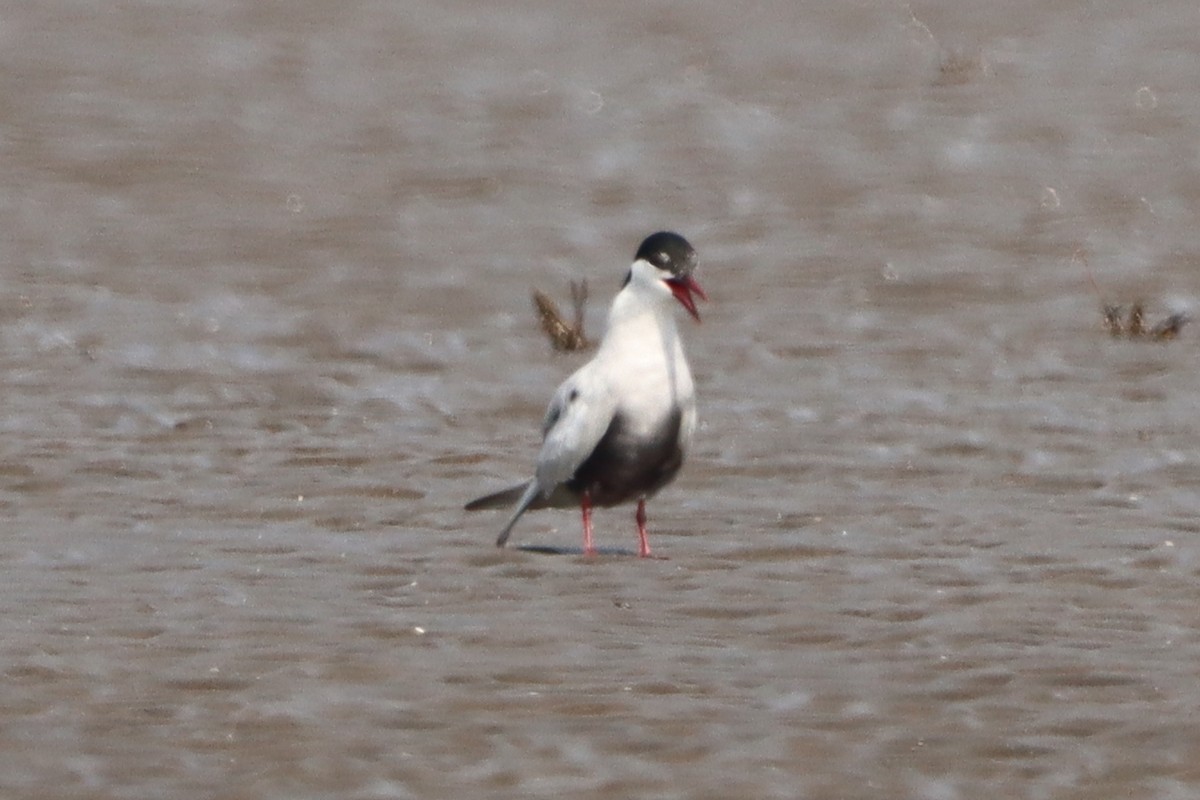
[267, 326]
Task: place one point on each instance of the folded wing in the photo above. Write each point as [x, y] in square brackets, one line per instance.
[578, 416]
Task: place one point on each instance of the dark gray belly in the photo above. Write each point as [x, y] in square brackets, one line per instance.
[624, 467]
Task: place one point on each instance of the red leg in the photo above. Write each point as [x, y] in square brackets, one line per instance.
[643, 542]
[585, 505]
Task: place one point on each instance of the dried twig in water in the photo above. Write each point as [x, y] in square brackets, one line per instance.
[1137, 322]
[1132, 326]
[564, 337]
[1169, 328]
[1113, 321]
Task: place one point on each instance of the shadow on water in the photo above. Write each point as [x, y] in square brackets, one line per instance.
[554, 550]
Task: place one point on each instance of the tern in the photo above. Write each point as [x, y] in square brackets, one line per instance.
[618, 429]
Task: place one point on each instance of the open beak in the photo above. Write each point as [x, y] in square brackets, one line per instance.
[684, 288]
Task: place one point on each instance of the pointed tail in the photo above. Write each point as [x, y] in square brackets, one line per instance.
[501, 499]
[523, 495]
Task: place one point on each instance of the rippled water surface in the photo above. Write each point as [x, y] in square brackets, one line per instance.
[266, 273]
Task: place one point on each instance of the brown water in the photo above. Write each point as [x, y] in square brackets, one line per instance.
[266, 272]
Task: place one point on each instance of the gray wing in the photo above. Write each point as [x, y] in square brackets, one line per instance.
[579, 414]
[529, 494]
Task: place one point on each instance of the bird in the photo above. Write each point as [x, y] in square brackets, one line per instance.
[618, 429]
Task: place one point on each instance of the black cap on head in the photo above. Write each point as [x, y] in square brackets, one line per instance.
[668, 251]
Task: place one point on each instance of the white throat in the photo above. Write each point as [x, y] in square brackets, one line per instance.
[643, 350]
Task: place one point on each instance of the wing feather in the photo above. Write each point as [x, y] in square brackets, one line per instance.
[578, 416]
